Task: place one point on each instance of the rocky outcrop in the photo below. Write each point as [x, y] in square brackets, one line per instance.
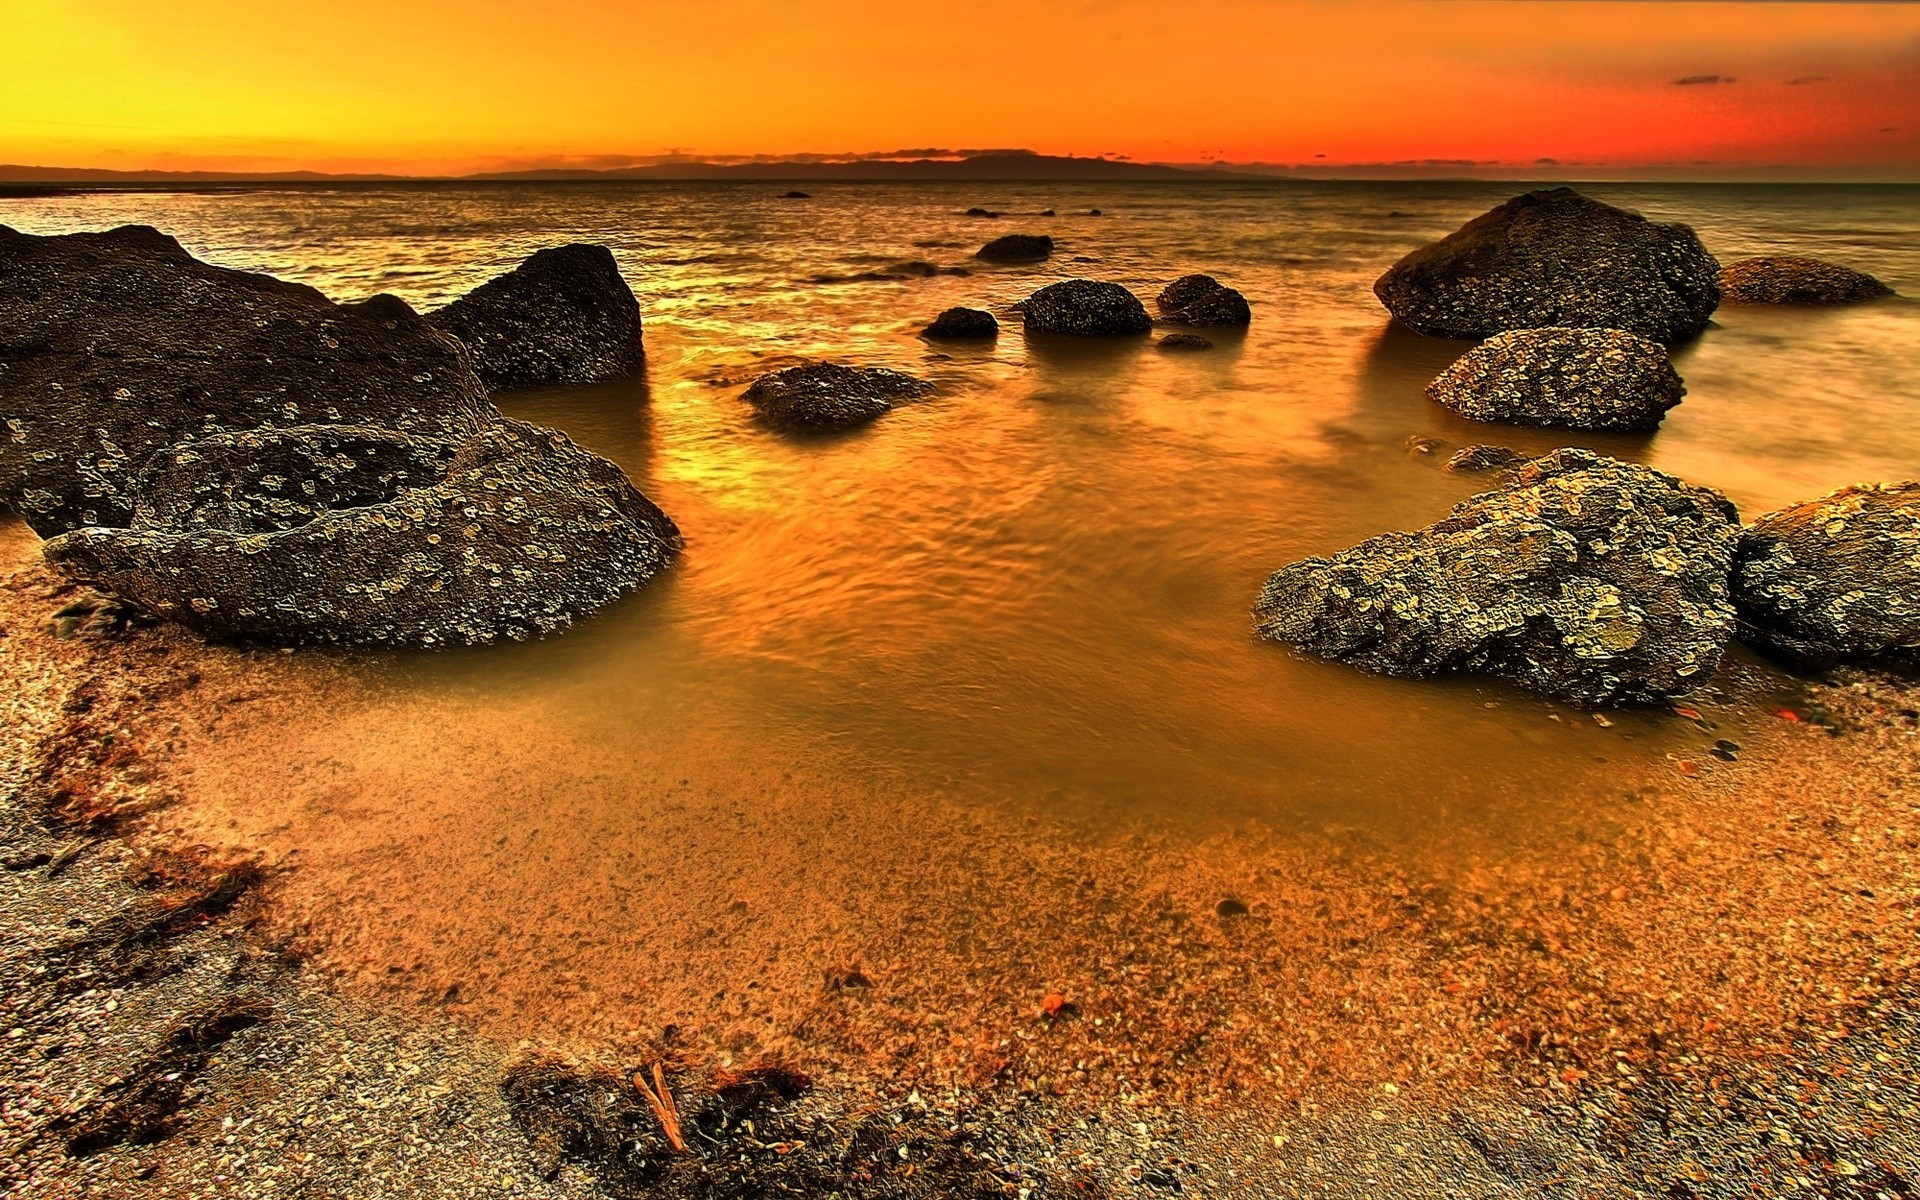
[1483, 457]
[116, 345]
[564, 316]
[1085, 308]
[1791, 279]
[1563, 379]
[1017, 248]
[1185, 341]
[963, 324]
[1202, 300]
[518, 534]
[822, 396]
[1592, 580]
[1836, 579]
[1556, 258]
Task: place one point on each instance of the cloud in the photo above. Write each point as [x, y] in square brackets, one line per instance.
[1700, 79]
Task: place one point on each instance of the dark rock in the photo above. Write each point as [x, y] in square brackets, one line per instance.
[1085, 308]
[1556, 258]
[1485, 458]
[1185, 341]
[1202, 300]
[116, 345]
[1046, 212]
[962, 324]
[1094, 212]
[1836, 579]
[1592, 580]
[822, 396]
[796, 194]
[981, 212]
[564, 316]
[521, 534]
[1790, 279]
[1231, 907]
[1017, 248]
[1563, 379]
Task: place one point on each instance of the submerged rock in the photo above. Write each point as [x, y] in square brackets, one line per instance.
[977, 211]
[1589, 579]
[1202, 300]
[1017, 248]
[1085, 308]
[963, 324]
[116, 345]
[564, 316]
[1836, 579]
[1483, 457]
[1555, 257]
[1563, 379]
[822, 396]
[1185, 341]
[1792, 279]
[520, 534]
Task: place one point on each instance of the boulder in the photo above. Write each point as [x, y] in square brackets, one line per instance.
[1563, 379]
[116, 345]
[1791, 279]
[1085, 308]
[1185, 341]
[564, 316]
[977, 211]
[517, 534]
[963, 324]
[1555, 257]
[1589, 579]
[1017, 248]
[820, 396]
[1836, 579]
[1202, 300]
[1483, 457]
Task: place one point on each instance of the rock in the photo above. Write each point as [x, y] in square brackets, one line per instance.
[1017, 248]
[1791, 279]
[1185, 341]
[963, 324]
[564, 316]
[1202, 300]
[1592, 580]
[1094, 212]
[116, 345]
[1555, 257]
[797, 194]
[1046, 212]
[1836, 579]
[822, 396]
[981, 212]
[520, 534]
[1085, 308]
[1563, 379]
[1485, 458]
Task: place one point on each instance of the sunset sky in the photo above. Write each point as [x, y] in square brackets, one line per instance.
[442, 86]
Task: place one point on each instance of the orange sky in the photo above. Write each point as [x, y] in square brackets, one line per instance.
[440, 85]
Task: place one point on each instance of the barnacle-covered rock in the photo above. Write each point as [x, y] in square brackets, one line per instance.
[1554, 257]
[1563, 379]
[823, 396]
[963, 324]
[1483, 457]
[1085, 308]
[1202, 300]
[1794, 279]
[1589, 579]
[564, 316]
[519, 534]
[116, 345]
[1836, 579]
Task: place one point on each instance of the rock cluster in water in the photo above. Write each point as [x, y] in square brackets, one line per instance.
[1563, 378]
[1586, 578]
[963, 324]
[1202, 300]
[1017, 248]
[1556, 258]
[564, 316]
[1085, 308]
[1835, 579]
[1792, 279]
[816, 397]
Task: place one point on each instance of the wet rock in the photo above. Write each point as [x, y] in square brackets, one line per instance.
[564, 316]
[1792, 279]
[1085, 308]
[1017, 248]
[1592, 580]
[1554, 257]
[1484, 458]
[963, 324]
[1185, 341]
[1836, 579]
[520, 535]
[1563, 379]
[116, 345]
[977, 211]
[1203, 300]
[797, 194]
[1046, 212]
[822, 396]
